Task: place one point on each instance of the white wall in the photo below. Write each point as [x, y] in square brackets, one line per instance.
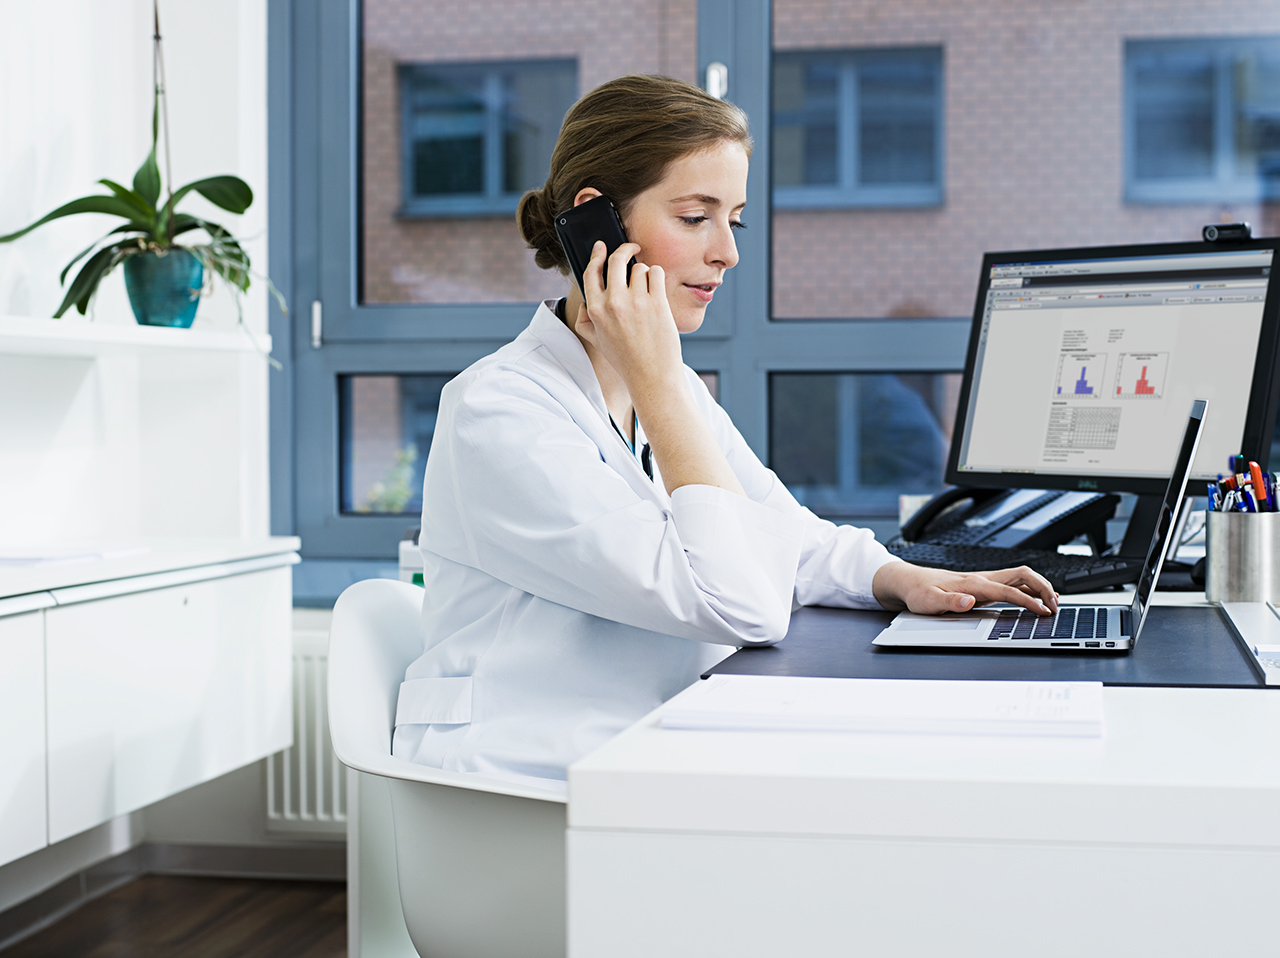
[75, 106]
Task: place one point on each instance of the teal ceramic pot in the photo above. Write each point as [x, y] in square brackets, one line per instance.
[164, 290]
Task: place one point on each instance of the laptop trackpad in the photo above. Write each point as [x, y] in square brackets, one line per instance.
[912, 624]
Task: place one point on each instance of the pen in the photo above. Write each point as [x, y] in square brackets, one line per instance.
[1259, 487]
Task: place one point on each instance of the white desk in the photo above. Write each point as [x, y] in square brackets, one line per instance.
[1163, 838]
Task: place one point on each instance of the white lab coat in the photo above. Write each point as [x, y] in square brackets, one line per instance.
[567, 594]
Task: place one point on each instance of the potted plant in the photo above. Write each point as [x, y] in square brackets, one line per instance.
[163, 276]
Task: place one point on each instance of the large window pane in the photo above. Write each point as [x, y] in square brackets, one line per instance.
[386, 427]
[461, 105]
[848, 444]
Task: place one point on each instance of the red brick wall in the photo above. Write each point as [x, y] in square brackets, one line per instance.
[1033, 94]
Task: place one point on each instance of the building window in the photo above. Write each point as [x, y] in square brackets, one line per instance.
[857, 128]
[1203, 120]
[475, 136]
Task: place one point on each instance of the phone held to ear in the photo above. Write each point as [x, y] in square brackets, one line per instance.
[580, 227]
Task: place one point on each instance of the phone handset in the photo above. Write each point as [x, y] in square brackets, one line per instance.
[916, 525]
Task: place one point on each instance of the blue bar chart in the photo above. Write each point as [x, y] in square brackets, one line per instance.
[1080, 375]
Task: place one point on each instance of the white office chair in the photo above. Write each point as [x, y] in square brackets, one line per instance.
[480, 860]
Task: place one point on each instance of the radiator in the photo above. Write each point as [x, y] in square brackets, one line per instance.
[306, 784]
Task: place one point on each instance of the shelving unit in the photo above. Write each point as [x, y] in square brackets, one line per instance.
[163, 661]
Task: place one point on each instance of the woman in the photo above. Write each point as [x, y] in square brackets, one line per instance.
[595, 531]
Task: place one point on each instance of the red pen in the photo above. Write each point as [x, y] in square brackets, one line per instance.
[1259, 488]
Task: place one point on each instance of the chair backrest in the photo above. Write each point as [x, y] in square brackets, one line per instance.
[375, 634]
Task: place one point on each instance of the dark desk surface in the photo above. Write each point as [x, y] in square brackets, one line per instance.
[1179, 646]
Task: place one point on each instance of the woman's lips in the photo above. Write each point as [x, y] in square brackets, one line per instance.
[704, 292]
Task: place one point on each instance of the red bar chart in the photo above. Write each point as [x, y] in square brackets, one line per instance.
[1141, 375]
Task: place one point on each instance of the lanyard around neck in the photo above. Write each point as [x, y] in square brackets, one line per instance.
[646, 457]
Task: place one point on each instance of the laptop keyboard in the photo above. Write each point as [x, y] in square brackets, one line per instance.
[1080, 623]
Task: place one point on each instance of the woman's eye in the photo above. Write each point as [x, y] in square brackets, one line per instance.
[693, 220]
[737, 225]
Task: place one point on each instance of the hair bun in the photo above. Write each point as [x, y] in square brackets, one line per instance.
[535, 219]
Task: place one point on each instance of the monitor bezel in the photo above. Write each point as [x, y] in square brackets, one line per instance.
[1264, 391]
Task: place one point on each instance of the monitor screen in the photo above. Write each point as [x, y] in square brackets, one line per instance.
[1082, 365]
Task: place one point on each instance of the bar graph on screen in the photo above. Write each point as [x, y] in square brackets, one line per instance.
[1141, 375]
[1080, 375]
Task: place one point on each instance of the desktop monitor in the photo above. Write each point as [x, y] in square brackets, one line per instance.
[1082, 365]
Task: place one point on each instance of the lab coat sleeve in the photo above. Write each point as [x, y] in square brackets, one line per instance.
[517, 489]
[837, 563]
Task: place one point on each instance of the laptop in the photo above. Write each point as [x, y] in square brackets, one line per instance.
[1080, 628]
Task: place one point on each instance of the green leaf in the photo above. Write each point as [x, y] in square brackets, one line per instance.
[86, 282]
[145, 209]
[110, 205]
[184, 222]
[147, 180]
[229, 192]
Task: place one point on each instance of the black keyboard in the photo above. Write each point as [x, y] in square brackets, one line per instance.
[1085, 624]
[1066, 573]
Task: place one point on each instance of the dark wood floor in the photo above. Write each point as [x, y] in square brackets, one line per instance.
[161, 916]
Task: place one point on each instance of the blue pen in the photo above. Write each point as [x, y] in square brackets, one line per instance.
[1213, 496]
[1251, 504]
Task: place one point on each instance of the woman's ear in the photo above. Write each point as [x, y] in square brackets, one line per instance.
[584, 194]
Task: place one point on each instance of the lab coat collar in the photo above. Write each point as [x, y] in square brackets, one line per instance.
[563, 344]
[565, 347]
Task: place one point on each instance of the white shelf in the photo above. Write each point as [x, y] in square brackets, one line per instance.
[74, 337]
[160, 556]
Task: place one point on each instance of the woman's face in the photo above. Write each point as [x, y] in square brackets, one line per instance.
[685, 224]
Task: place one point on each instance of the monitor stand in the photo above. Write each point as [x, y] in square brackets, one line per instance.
[1142, 526]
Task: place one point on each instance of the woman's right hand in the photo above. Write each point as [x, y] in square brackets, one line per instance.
[631, 323]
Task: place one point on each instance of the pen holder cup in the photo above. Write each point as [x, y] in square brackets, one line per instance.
[1241, 559]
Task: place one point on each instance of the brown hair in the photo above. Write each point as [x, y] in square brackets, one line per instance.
[619, 139]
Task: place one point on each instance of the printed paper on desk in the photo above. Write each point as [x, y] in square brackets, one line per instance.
[906, 706]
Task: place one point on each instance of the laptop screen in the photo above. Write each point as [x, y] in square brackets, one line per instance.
[1173, 498]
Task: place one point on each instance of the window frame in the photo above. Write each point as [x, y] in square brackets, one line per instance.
[1224, 186]
[849, 193]
[314, 219]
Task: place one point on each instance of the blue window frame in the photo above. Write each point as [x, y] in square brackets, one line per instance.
[475, 136]
[857, 128]
[1202, 120]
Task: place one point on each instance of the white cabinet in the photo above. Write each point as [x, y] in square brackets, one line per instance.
[144, 606]
[22, 781]
[151, 693]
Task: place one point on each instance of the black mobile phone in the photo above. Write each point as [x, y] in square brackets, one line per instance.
[580, 227]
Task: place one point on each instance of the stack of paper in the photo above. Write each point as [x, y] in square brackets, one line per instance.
[921, 707]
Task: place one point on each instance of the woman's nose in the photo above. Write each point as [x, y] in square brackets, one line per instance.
[724, 252]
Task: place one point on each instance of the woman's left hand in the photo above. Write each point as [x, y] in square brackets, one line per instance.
[900, 585]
